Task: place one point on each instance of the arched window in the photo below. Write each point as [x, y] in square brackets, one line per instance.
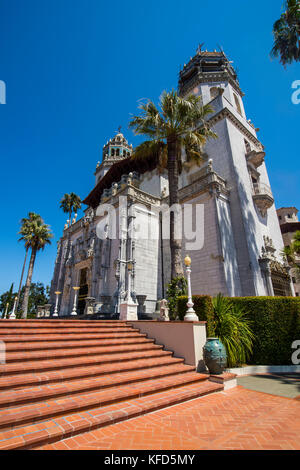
[247, 146]
[118, 152]
[112, 152]
[237, 103]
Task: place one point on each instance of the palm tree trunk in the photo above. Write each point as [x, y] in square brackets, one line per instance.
[175, 244]
[21, 280]
[28, 283]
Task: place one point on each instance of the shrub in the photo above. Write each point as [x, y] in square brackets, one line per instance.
[233, 328]
[276, 324]
[176, 288]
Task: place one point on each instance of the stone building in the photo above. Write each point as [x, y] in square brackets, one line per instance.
[289, 224]
[240, 253]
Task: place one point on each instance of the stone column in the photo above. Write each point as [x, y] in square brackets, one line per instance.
[128, 308]
[288, 268]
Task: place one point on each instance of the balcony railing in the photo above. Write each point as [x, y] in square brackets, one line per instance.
[261, 189]
[262, 197]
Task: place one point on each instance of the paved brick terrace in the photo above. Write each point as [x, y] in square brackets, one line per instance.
[238, 419]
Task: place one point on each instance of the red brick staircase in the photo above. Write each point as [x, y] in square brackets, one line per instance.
[67, 377]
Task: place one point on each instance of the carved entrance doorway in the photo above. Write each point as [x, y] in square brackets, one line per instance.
[281, 284]
[83, 291]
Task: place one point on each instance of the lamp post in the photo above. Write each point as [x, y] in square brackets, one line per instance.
[55, 314]
[12, 316]
[128, 308]
[76, 289]
[190, 313]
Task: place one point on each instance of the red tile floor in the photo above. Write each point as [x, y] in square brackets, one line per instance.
[236, 419]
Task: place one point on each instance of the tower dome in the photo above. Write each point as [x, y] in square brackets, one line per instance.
[115, 149]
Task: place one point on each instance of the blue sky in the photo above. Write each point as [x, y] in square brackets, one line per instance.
[74, 70]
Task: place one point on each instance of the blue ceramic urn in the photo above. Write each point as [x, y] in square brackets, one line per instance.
[214, 355]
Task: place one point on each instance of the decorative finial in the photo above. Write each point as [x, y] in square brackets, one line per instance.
[200, 47]
[119, 129]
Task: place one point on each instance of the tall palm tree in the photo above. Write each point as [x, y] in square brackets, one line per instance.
[36, 236]
[180, 123]
[292, 253]
[70, 203]
[24, 231]
[286, 32]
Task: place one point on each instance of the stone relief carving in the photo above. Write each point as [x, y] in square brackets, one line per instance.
[89, 216]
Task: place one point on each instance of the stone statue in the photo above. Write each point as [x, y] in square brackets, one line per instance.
[164, 311]
[90, 250]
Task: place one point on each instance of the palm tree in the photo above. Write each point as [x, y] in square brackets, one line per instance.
[181, 122]
[36, 236]
[70, 203]
[25, 229]
[292, 253]
[234, 330]
[286, 32]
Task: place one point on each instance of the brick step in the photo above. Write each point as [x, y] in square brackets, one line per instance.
[69, 374]
[17, 416]
[40, 393]
[44, 324]
[44, 345]
[61, 337]
[13, 357]
[38, 366]
[66, 331]
[54, 430]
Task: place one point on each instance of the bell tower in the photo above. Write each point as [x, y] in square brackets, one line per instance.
[115, 150]
[210, 73]
[238, 157]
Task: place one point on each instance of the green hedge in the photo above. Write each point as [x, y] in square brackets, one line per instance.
[203, 307]
[275, 324]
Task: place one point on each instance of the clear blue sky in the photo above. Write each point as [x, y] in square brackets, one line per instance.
[74, 70]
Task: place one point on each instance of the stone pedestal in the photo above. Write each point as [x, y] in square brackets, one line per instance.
[106, 303]
[141, 307]
[128, 311]
[89, 305]
[47, 308]
[40, 311]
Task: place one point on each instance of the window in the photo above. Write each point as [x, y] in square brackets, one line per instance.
[280, 218]
[112, 152]
[118, 152]
[247, 146]
[237, 103]
[214, 92]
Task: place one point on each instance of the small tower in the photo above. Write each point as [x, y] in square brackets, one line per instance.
[210, 73]
[115, 150]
